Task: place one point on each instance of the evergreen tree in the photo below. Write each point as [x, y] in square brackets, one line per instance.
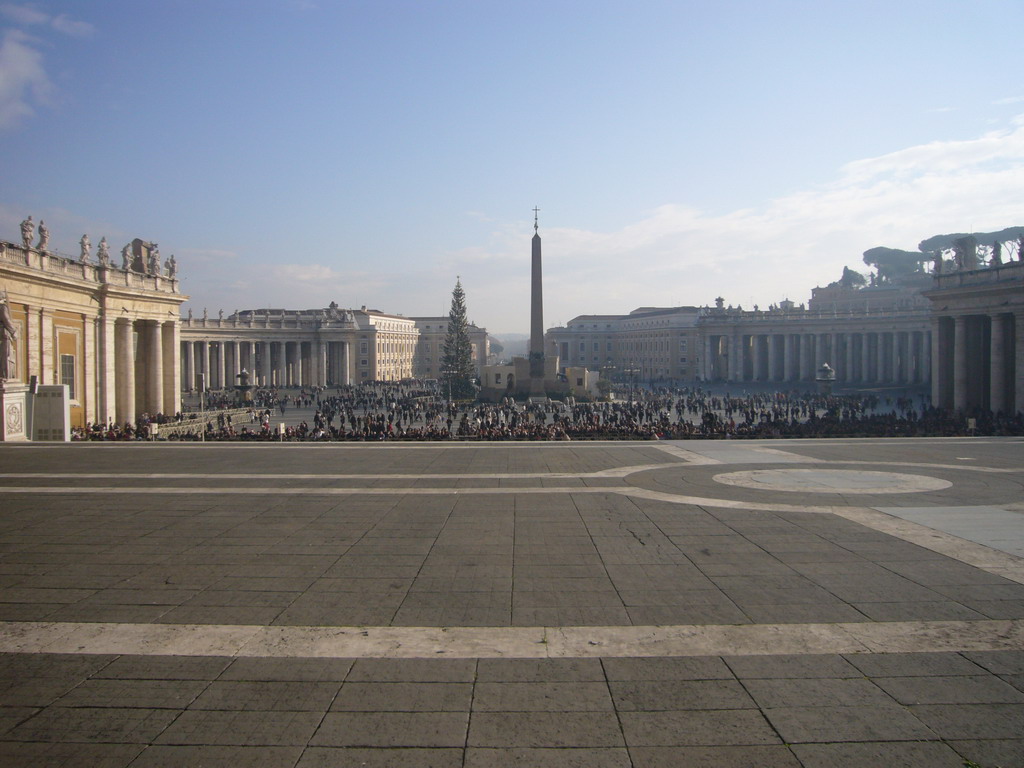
[457, 362]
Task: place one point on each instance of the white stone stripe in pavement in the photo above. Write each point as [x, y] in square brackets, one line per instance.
[612, 472]
[631, 491]
[508, 642]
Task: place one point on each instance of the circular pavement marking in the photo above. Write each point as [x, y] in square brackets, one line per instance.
[831, 481]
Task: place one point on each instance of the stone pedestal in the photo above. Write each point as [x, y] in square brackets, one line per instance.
[14, 414]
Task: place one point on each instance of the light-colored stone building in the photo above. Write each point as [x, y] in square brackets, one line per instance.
[978, 331]
[315, 347]
[298, 348]
[868, 338]
[430, 347]
[878, 336]
[107, 332]
[654, 344]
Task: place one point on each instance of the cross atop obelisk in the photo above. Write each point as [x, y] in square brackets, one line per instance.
[535, 212]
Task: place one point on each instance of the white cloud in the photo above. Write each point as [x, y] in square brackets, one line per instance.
[207, 255]
[72, 27]
[23, 81]
[1008, 100]
[679, 255]
[304, 273]
[24, 14]
[29, 16]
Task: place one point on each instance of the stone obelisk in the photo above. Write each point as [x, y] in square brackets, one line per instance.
[536, 316]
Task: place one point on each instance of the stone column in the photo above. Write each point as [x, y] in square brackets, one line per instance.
[108, 372]
[281, 372]
[734, 357]
[788, 356]
[204, 351]
[997, 366]
[865, 357]
[960, 363]
[913, 357]
[300, 367]
[236, 362]
[942, 395]
[745, 357]
[755, 357]
[897, 358]
[125, 366]
[346, 376]
[154, 401]
[707, 367]
[1018, 356]
[265, 376]
[188, 365]
[879, 357]
[221, 365]
[91, 384]
[925, 365]
[171, 362]
[848, 367]
[321, 363]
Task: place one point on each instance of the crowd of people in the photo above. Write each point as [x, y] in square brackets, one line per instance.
[384, 411]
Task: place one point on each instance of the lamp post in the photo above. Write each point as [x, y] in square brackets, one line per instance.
[631, 372]
[447, 372]
[201, 386]
[606, 373]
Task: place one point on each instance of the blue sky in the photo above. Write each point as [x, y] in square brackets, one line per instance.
[291, 152]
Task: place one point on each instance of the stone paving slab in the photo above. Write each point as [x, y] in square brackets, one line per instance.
[599, 605]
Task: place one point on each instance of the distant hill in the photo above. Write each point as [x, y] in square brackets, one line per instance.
[513, 344]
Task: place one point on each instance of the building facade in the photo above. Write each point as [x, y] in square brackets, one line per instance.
[297, 348]
[656, 345]
[430, 347]
[978, 327]
[315, 347]
[870, 337]
[109, 333]
[864, 347]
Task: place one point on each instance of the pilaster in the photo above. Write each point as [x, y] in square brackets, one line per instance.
[47, 368]
[90, 387]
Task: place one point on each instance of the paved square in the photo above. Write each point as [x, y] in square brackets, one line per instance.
[768, 603]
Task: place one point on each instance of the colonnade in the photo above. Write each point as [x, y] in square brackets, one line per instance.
[297, 363]
[899, 358]
[979, 361]
[140, 361]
